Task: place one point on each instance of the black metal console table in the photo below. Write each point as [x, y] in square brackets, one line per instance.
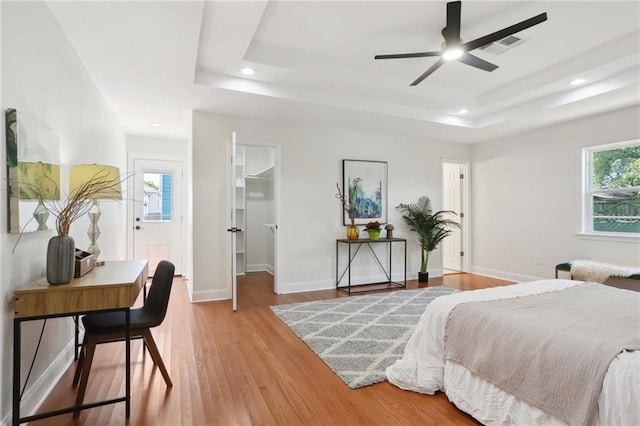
[384, 285]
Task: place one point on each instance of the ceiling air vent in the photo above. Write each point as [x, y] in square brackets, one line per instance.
[501, 46]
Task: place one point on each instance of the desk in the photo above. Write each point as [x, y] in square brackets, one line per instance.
[112, 287]
[390, 284]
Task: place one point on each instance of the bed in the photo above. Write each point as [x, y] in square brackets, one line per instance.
[427, 365]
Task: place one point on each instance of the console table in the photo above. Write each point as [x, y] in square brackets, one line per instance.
[111, 287]
[353, 247]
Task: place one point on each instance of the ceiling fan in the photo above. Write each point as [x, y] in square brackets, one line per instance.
[454, 49]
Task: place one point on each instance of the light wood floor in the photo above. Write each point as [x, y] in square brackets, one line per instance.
[245, 368]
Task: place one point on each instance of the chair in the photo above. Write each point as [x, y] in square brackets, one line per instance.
[110, 327]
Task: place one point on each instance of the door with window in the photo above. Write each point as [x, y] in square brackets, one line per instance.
[158, 222]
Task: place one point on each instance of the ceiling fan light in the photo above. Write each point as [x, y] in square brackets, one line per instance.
[453, 53]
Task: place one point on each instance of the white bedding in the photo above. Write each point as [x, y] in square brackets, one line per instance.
[422, 368]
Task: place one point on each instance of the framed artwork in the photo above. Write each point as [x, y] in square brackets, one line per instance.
[364, 184]
[33, 172]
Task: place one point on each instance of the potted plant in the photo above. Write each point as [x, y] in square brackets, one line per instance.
[373, 229]
[60, 265]
[430, 228]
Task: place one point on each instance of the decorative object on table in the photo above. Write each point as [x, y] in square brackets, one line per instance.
[61, 249]
[358, 337]
[430, 228]
[373, 229]
[353, 233]
[33, 172]
[364, 186]
[84, 263]
[389, 228]
[60, 259]
[81, 174]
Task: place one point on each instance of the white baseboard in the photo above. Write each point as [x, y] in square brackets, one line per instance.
[302, 286]
[260, 267]
[503, 275]
[36, 394]
[206, 296]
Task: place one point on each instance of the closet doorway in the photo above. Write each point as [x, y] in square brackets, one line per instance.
[455, 184]
[256, 210]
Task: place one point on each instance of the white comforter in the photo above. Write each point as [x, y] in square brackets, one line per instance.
[422, 368]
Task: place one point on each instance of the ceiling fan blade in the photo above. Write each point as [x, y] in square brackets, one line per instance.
[428, 72]
[408, 55]
[452, 33]
[498, 35]
[474, 61]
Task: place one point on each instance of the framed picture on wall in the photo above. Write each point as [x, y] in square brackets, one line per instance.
[365, 186]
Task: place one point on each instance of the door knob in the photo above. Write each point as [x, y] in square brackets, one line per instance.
[138, 227]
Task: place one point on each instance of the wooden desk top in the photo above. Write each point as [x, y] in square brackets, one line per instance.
[116, 284]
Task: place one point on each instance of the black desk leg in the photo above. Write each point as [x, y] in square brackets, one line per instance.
[349, 282]
[16, 372]
[76, 319]
[128, 361]
[337, 282]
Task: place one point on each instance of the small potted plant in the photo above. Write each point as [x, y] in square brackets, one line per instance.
[430, 228]
[373, 229]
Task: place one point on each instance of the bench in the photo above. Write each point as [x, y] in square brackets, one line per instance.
[566, 267]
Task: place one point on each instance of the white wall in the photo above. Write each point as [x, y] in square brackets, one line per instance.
[162, 147]
[309, 215]
[43, 77]
[526, 198]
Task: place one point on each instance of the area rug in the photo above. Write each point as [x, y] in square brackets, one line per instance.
[358, 337]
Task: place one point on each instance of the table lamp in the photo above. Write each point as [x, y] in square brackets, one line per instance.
[81, 174]
[39, 181]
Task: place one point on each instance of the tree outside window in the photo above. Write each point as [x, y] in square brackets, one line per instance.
[612, 196]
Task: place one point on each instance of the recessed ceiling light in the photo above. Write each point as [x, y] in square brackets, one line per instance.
[248, 71]
[453, 53]
[155, 124]
[463, 111]
[577, 81]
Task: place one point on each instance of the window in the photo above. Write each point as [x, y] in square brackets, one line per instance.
[612, 189]
[158, 196]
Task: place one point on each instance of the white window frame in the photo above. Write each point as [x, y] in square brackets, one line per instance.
[588, 191]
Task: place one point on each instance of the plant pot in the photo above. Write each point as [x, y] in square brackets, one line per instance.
[353, 233]
[61, 253]
[374, 235]
[423, 277]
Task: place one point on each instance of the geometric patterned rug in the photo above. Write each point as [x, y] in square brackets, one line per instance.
[358, 337]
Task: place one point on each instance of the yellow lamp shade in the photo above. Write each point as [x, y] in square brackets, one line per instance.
[106, 180]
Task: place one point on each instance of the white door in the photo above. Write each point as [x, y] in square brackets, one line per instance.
[157, 221]
[452, 175]
[233, 223]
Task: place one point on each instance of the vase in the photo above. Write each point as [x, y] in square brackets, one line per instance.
[61, 253]
[374, 235]
[423, 277]
[353, 233]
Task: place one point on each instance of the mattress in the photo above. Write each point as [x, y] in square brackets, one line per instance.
[423, 369]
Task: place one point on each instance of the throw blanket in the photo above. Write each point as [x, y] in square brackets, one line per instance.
[551, 350]
[587, 270]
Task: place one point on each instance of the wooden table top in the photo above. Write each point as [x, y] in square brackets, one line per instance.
[114, 285]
